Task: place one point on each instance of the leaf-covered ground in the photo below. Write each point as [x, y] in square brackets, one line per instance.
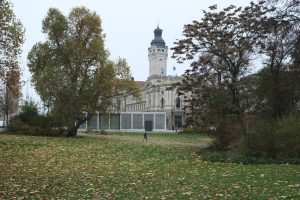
[124, 167]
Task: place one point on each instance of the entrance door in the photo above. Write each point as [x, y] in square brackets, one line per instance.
[178, 121]
[148, 125]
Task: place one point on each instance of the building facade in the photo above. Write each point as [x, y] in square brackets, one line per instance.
[155, 95]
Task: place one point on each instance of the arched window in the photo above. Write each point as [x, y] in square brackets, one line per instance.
[177, 102]
[162, 103]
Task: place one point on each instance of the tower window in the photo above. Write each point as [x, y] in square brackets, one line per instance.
[158, 49]
[149, 50]
[163, 50]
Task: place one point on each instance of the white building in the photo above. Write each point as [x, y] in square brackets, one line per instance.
[155, 97]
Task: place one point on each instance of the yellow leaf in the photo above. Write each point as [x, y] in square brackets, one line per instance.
[189, 193]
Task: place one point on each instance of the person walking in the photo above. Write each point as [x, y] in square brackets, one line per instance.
[145, 137]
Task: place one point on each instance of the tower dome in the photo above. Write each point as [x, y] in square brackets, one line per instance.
[158, 40]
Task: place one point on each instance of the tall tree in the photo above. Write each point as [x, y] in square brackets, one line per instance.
[220, 47]
[11, 39]
[70, 70]
[278, 81]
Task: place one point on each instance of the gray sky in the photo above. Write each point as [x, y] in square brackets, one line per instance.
[128, 26]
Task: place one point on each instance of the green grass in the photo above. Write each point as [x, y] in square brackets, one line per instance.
[123, 167]
[162, 137]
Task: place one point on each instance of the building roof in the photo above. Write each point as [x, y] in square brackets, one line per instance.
[158, 40]
[140, 84]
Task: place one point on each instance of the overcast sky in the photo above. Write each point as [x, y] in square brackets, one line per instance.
[128, 25]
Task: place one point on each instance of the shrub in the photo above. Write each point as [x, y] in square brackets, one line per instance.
[259, 141]
[227, 133]
[17, 126]
[277, 139]
[197, 130]
[287, 136]
[30, 122]
[236, 157]
[55, 132]
[29, 113]
[103, 132]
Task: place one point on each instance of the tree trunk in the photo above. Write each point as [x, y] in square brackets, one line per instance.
[6, 117]
[72, 130]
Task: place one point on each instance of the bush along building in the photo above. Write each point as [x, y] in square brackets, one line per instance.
[157, 104]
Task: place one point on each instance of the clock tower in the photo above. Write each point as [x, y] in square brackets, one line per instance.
[158, 55]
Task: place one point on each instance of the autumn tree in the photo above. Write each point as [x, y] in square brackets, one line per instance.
[288, 8]
[70, 70]
[10, 93]
[291, 11]
[279, 79]
[124, 82]
[11, 39]
[220, 48]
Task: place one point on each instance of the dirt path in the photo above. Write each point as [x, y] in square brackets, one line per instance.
[156, 141]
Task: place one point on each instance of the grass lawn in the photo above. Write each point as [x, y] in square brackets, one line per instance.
[123, 167]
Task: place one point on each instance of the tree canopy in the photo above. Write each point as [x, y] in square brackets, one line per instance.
[11, 39]
[124, 82]
[220, 46]
[70, 70]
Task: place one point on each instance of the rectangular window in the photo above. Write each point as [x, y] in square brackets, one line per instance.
[114, 121]
[126, 121]
[92, 123]
[104, 122]
[159, 121]
[137, 121]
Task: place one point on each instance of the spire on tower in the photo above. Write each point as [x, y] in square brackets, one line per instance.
[158, 40]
